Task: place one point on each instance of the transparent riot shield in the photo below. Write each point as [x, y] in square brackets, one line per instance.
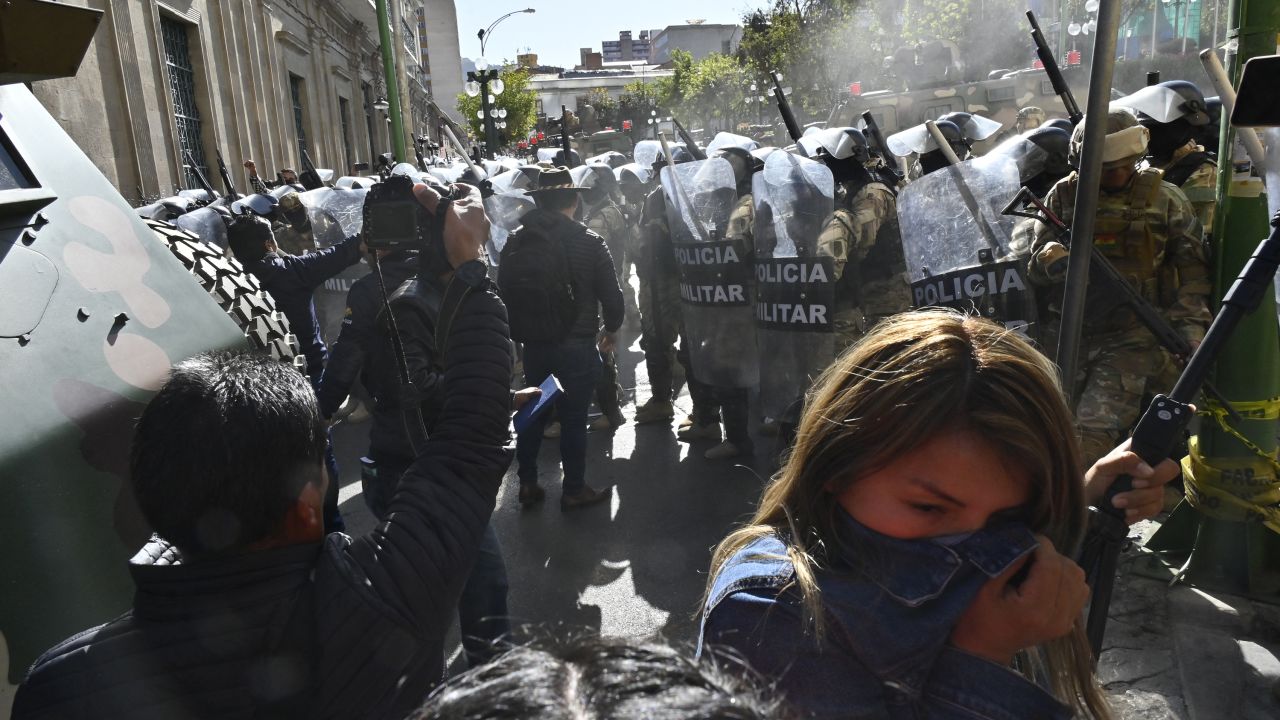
[206, 223]
[795, 284]
[958, 245]
[505, 208]
[335, 214]
[715, 278]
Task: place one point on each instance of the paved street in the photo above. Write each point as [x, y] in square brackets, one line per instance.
[634, 568]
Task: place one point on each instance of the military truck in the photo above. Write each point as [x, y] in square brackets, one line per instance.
[95, 305]
[927, 90]
[602, 142]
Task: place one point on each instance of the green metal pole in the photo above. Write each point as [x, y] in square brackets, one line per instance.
[398, 145]
[1242, 557]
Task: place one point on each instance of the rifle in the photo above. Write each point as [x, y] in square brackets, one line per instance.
[232, 195]
[1051, 69]
[417, 150]
[1113, 281]
[199, 175]
[697, 152]
[784, 107]
[878, 144]
[309, 178]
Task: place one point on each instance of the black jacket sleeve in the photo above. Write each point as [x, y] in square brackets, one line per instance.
[418, 560]
[314, 268]
[607, 288]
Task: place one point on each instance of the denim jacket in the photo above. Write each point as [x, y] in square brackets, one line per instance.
[889, 606]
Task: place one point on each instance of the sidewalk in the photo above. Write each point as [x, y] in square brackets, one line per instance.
[1184, 654]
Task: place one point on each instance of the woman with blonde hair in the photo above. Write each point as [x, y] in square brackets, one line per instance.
[912, 558]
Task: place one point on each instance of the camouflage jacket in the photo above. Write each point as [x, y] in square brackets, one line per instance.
[1153, 237]
[741, 228]
[608, 222]
[1201, 186]
[864, 231]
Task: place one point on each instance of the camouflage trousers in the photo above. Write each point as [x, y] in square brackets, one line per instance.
[661, 326]
[850, 326]
[1114, 378]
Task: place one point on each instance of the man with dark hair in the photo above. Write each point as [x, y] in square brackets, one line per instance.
[599, 678]
[291, 280]
[243, 607]
[550, 241]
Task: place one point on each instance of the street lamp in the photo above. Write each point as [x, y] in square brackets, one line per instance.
[484, 34]
[381, 104]
[484, 81]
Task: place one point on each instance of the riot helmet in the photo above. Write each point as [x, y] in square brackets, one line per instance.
[258, 204]
[1060, 123]
[973, 128]
[1041, 157]
[1126, 140]
[1171, 111]
[843, 150]
[559, 161]
[935, 159]
[596, 180]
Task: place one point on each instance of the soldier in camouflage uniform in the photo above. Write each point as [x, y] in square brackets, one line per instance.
[862, 237]
[1174, 111]
[1150, 232]
[730, 404]
[660, 323]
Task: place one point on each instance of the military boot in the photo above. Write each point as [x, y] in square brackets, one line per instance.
[655, 410]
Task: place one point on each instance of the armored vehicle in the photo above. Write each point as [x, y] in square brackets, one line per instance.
[95, 305]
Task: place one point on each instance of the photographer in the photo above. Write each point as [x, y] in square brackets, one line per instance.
[244, 608]
[365, 349]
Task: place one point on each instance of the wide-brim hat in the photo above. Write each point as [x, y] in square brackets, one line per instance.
[553, 180]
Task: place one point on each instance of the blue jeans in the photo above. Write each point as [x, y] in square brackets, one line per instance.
[482, 609]
[576, 362]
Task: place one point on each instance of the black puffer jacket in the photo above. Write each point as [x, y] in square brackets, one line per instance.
[353, 628]
[594, 283]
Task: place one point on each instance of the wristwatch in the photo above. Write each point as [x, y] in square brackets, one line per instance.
[472, 273]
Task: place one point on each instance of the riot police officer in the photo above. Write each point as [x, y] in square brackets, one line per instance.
[1150, 232]
[862, 237]
[1174, 111]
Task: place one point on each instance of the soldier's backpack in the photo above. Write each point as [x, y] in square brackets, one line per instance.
[537, 287]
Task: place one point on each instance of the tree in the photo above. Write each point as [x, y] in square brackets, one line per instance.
[517, 99]
[605, 106]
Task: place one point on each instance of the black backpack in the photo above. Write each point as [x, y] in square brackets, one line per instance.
[537, 287]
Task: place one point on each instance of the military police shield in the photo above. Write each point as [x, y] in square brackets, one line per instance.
[958, 244]
[795, 283]
[715, 278]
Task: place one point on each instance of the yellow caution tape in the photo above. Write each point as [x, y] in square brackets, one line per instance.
[1245, 489]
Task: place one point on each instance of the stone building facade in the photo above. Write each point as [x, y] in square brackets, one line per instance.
[260, 79]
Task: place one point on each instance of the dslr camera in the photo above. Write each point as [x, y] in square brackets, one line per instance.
[395, 220]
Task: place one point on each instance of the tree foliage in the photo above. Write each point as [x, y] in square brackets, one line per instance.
[520, 102]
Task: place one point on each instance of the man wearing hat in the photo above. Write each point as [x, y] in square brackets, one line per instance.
[1149, 231]
[551, 244]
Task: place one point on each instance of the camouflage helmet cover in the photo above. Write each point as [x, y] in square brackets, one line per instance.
[1126, 140]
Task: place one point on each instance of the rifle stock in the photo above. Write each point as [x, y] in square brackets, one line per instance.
[309, 178]
[199, 174]
[1053, 71]
[877, 142]
[784, 108]
[226, 177]
[691, 146]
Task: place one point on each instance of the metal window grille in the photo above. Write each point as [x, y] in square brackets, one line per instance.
[182, 84]
[295, 91]
[344, 110]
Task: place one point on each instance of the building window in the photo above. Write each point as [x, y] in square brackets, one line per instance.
[344, 115]
[182, 85]
[295, 92]
[369, 113]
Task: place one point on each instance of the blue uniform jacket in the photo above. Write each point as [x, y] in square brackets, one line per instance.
[889, 606]
[291, 280]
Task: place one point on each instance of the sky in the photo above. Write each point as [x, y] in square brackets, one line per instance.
[560, 27]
